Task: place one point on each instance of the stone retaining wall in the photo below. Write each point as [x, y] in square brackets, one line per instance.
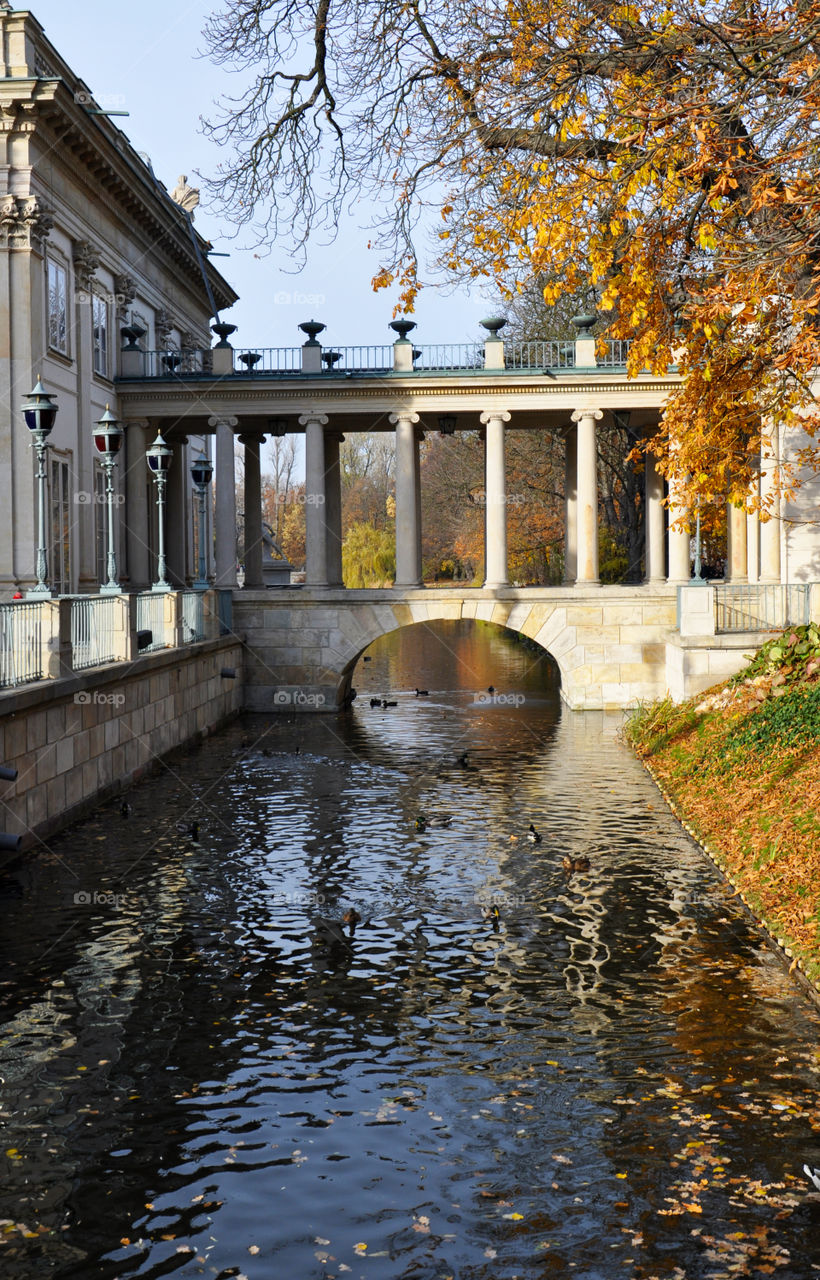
[78, 739]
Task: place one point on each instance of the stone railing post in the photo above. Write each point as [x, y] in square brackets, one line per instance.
[57, 655]
[696, 611]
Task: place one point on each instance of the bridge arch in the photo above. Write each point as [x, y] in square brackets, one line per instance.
[302, 645]
[498, 613]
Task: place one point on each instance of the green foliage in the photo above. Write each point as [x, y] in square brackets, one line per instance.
[794, 654]
[792, 720]
[652, 725]
[613, 560]
[368, 556]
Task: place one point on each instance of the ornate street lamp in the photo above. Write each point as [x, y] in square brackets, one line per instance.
[201, 473]
[108, 436]
[158, 458]
[40, 412]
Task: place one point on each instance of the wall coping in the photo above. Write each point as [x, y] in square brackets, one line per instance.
[46, 692]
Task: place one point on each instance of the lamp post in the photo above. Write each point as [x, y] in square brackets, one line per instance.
[158, 458]
[697, 576]
[201, 473]
[40, 411]
[108, 442]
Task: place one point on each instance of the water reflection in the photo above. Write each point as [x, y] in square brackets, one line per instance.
[611, 1079]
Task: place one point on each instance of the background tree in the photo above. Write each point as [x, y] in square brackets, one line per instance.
[665, 155]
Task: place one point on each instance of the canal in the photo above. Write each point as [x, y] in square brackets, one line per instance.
[508, 1068]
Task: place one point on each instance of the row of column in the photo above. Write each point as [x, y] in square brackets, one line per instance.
[667, 544]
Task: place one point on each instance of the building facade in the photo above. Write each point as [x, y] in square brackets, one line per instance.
[95, 255]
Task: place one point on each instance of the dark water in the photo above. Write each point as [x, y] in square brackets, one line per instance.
[617, 1080]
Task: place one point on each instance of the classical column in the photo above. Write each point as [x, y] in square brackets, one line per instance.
[570, 503]
[225, 510]
[770, 529]
[654, 521]
[253, 511]
[737, 570]
[316, 567]
[587, 488]
[678, 539]
[333, 508]
[408, 526]
[496, 572]
[137, 511]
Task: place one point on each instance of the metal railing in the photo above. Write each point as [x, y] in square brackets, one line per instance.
[615, 353]
[151, 617]
[192, 616]
[168, 363]
[256, 360]
[451, 355]
[21, 647]
[95, 625]
[376, 359]
[761, 606]
[539, 355]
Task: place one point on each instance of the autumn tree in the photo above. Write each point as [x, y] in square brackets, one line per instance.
[664, 155]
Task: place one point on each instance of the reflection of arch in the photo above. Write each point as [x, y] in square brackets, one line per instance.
[526, 619]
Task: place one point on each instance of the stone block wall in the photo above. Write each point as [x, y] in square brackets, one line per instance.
[78, 739]
[303, 645]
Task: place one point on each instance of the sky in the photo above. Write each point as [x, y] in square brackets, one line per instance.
[147, 58]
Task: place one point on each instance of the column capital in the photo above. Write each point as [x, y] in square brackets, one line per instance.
[404, 415]
[251, 437]
[579, 414]
[495, 415]
[223, 421]
[136, 422]
[313, 418]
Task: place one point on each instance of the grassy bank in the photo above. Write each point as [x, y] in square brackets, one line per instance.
[741, 764]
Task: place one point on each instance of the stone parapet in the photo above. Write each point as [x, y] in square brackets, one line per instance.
[80, 738]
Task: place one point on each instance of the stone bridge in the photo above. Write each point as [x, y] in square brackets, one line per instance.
[614, 646]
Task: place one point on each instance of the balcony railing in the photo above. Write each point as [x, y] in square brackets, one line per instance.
[539, 355]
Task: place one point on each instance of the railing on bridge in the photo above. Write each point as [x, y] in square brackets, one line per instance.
[761, 606]
[95, 626]
[151, 617]
[40, 639]
[539, 355]
[614, 354]
[193, 616]
[446, 357]
[260, 360]
[21, 647]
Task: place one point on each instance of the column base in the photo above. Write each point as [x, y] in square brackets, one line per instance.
[495, 586]
[587, 582]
